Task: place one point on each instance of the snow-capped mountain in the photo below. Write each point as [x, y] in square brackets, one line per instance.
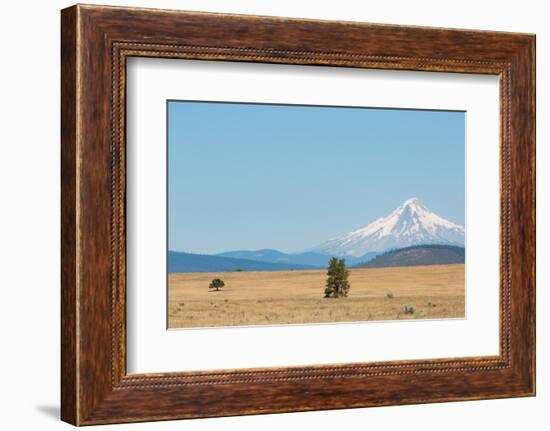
[410, 224]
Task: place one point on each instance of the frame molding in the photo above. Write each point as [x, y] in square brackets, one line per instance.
[96, 41]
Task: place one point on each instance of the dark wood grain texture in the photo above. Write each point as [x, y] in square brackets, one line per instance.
[69, 367]
[96, 41]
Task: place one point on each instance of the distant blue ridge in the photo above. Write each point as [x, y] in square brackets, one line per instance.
[417, 255]
[190, 262]
[258, 260]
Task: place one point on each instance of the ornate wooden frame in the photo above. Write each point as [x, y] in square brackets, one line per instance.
[96, 41]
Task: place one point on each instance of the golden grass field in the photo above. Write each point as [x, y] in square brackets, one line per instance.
[282, 297]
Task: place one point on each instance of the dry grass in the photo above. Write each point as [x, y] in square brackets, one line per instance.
[279, 297]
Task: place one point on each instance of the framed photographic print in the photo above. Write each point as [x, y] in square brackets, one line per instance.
[255, 179]
[266, 215]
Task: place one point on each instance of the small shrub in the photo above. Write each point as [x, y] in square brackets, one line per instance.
[389, 295]
[409, 309]
[216, 284]
[238, 270]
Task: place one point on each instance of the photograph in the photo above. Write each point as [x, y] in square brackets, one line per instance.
[275, 210]
[301, 214]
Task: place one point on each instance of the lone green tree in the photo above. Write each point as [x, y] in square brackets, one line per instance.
[216, 284]
[337, 285]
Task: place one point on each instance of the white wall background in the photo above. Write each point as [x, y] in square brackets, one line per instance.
[29, 215]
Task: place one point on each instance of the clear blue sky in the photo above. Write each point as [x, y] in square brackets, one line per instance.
[251, 176]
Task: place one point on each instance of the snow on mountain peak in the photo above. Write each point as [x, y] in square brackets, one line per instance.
[411, 201]
[409, 224]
